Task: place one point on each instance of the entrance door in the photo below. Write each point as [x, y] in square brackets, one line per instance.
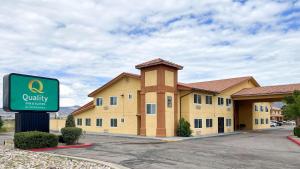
[221, 125]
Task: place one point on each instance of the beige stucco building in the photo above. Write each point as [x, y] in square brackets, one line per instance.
[151, 104]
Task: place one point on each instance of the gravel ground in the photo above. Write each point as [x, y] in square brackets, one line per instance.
[17, 159]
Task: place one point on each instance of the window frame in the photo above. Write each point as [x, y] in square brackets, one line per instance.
[113, 121]
[110, 101]
[228, 122]
[90, 121]
[100, 122]
[228, 102]
[169, 104]
[256, 121]
[208, 98]
[197, 98]
[262, 121]
[220, 101]
[99, 98]
[79, 120]
[209, 123]
[151, 108]
[198, 122]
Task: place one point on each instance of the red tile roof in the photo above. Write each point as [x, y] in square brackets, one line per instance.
[158, 61]
[83, 108]
[268, 90]
[218, 86]
[113, 81]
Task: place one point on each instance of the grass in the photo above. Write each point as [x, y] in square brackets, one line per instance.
[9, 126]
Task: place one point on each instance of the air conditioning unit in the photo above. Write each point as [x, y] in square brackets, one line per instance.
[105, 107]
[198, 107]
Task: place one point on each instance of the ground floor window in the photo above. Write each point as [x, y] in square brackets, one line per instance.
[262, 121]
[88, 122]
[79, 122]
[267, 121]
[99, 122]
[151, 108]
[198, 123]
[208, 123]
[113, 123]
[228, 122]
[256, 121]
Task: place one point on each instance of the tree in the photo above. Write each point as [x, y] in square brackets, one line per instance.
[70, 122]
[291, 109]
[183, 128]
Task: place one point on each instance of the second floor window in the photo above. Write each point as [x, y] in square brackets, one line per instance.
[220, 101]
[99, 101]
[228, 102]
[267, 109]
[261, 108]
[169, 101]
[208, 99]
[113, 100]
[255, 108]
[197, 98]
[151, 108]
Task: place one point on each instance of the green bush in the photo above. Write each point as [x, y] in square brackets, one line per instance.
[70, 122]
[1, 122]
[71, 135]
[60, 139]
[297, 131]
[183, 128]
[35, 139]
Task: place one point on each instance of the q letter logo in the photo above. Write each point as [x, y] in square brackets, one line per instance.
[38, 89]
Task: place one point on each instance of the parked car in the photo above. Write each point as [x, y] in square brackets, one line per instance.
[272, 124]
[279, 123]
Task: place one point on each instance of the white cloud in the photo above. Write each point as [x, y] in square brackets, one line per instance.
[84, 43]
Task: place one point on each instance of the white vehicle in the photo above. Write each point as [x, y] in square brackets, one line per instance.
[272, 124]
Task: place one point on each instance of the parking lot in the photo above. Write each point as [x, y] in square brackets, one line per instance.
[260, 149]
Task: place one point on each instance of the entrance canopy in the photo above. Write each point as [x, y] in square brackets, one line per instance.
[266, 93]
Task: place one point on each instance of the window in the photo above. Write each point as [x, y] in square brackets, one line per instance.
[151, 108]
[129, 96]
[261, 108]
[256, 121]
[113, 100]
[113, 123]
[220, 101]
[79, 122]
[197, 99]
[99, 101]
[255, 108]
[198, 123]
[267, 109]
[208, 123]
[228, 102]
[267, 121]
[122, 120]
[228, 122]
[208, 99]
[99, 122]
[169, 101]
[88, 122]
[262, 121]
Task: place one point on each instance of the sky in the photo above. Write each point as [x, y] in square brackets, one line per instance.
[85, 43]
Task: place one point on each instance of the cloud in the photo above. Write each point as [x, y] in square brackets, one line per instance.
[85, 43]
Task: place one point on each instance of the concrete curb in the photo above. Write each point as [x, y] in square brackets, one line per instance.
[86, 145]
[293, 140]
[111, 165]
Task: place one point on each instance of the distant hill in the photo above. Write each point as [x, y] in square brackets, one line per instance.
[63, 112]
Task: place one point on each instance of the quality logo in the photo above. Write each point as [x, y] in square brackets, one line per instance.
[38, 89]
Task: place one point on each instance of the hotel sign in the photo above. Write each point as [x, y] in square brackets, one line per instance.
[30, 93]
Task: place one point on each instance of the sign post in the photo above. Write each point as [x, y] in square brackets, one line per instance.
[32, 97]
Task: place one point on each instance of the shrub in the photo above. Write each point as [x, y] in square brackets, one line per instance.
[297, 131]
[35, 139]
[70, 122]
[183, 128]
[1, 122]
[60, 139]
[71, 135]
